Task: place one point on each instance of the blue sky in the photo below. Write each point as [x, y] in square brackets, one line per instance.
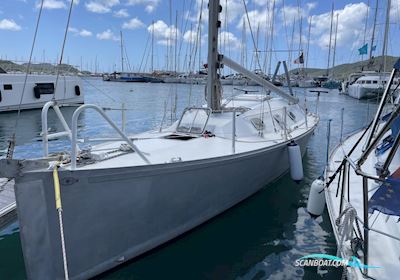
[96, 24]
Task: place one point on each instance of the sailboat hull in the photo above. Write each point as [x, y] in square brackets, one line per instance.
[113, 215]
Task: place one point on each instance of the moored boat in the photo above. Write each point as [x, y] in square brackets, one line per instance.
[152, 187]
[38, 90]
[361, 190]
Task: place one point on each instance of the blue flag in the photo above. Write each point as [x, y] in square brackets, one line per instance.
[363, 49]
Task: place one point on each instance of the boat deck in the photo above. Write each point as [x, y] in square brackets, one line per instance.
[7, 202]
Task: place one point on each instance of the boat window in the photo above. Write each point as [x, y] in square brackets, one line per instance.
[7, 87]
[292, 116]
[257, 123]
[278, 120]
[374, 82]
[368, 82]
[193, 120]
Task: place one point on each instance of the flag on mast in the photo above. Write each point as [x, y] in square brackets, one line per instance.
[300, 59]
[363, 49]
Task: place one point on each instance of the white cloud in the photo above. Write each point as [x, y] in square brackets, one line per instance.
[101, 6]
[51, 4]
[289, 14]
[257, 20]
[9, 24]
[230, 39]
[150, 5]
[164, 34]
[73, 29]
[85, 33]
[82, 32]
[122, 13]
[134, 23]
[311, 6]
[76, 2]
[190, 36]
[107, 35]
[395, 9]
[350, 17]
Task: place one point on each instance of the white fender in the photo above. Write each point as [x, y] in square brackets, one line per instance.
[316, 198]
[295, 162]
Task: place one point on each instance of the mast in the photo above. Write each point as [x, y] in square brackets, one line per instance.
[271, 38]
[176, 41]
[292, 43]
[384, 48]
[152, 46]
[308, 40]
[243, 49]
[334, 44]
[199, 41]
[330, 42]
[213, 93]
[122, 53]
[365, 28]
[373, 30]
[300, 65]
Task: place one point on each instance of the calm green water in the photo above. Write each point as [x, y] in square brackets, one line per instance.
[258, 239]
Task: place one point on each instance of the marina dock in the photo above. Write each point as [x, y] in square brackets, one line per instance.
[7, 202]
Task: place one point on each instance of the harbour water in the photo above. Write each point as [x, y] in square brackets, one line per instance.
[259, 239]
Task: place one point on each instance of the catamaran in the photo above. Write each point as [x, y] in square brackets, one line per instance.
[16, 94]
[83, 212]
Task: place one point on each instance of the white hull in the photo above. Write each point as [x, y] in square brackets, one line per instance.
[69, 90]
[361, 92]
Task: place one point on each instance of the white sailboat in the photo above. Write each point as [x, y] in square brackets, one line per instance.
[127, 196]
[362, 194]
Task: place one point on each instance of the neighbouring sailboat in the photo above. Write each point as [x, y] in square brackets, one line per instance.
[362, 194]
[125, 197]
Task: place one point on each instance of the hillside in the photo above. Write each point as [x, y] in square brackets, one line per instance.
[342, 71]
[46, 68]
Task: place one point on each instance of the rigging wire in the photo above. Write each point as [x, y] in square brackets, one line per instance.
[62, 49]
[197, 45]
[259, 65]
[127, 58]
[252, 35]
[144, 53]
[12, 142]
